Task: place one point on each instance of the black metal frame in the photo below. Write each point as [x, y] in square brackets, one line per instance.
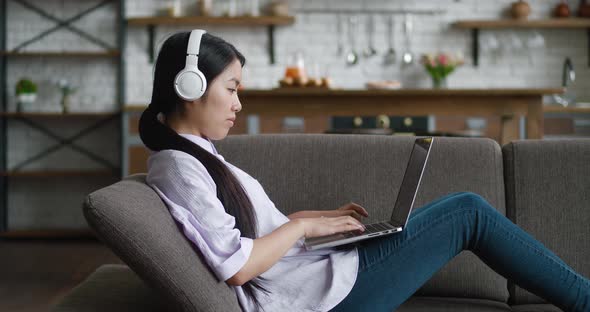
[64, 23]
[122, 42]
[63, 142]
[3, 129]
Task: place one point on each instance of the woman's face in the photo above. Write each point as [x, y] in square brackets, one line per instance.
[210, 115]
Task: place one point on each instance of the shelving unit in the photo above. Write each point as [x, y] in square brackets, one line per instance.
[553, 23]
[37, 120]
[269, 21]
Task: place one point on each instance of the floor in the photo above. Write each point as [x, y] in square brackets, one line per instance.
[37, 273]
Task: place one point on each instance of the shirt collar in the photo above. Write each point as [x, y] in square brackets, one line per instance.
[202, 142]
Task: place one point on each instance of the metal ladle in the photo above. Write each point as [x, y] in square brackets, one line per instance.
[408, 56]
[352, 57]
[390, 55]
[340, 31]
[370, 51]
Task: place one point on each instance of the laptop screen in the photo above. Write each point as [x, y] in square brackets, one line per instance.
[410, 182]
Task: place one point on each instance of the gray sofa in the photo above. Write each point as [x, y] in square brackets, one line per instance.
[542, 185]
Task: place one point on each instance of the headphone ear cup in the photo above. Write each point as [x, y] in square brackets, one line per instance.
[190, 84]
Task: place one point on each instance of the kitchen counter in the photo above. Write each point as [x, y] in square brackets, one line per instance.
[399, 92]
[509, 104]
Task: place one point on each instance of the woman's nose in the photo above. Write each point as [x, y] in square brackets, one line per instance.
[238, 106]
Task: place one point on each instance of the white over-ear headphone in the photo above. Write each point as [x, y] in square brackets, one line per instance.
[190, 83]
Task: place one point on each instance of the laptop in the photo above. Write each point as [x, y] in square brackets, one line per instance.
[401, 210]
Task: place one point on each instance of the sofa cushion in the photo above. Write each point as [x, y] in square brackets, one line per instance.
[112, 288]
[441, 304]
[319, 171]
[130, 218]
[547, 194]
[536, 308]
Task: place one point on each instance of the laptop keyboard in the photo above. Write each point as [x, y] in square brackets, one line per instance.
[370, 228]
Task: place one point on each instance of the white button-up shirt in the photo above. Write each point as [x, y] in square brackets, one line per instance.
[300, 281]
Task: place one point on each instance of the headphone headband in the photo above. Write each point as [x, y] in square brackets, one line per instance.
[194, 42]
[190, 83]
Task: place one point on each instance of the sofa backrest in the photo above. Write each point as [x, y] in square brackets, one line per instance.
[319, 171]
[301, 172]
[130, 218]
[548, 195]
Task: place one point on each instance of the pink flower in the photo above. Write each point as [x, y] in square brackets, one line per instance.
[443, 59]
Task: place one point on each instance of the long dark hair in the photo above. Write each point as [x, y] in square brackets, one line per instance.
[214, 56]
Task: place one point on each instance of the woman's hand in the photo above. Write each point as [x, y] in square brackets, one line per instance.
[314, 227]
[353, 210]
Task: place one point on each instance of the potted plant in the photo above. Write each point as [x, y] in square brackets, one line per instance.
[439, 66]
[26, 94]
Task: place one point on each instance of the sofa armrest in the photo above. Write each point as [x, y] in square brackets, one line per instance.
[113, 288]
[547, 194]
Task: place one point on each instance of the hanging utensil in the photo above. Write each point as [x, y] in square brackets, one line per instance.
[370, 51]
[390, 54]
[408, 56]
[352, 57]
[340, 34]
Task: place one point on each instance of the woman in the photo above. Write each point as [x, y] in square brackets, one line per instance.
[252, 246]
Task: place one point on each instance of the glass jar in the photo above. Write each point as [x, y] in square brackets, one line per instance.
[295, 66]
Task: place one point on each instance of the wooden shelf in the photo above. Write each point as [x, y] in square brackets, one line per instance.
[59, 173]
[551, 23]
[56, 115]
[211, 20]
[49, 233]
[572, 22]
[269, 21]
[113, 53]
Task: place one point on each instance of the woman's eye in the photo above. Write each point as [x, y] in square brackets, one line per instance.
[232, 90]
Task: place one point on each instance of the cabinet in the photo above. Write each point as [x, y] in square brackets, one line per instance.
[47, 166]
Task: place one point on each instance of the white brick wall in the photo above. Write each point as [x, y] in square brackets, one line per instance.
[315, 35]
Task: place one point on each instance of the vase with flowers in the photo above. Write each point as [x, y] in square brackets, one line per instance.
[440, 65]
[66, 90]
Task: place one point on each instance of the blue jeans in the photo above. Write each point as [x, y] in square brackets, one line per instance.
[394, 267]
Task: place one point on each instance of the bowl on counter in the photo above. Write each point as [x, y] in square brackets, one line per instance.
[384, 85]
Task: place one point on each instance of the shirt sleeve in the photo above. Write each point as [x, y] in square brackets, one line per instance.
[190, 194]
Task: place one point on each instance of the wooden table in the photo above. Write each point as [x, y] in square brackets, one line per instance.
[509, 104]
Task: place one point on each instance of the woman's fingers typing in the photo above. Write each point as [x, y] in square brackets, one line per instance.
[327, 226]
